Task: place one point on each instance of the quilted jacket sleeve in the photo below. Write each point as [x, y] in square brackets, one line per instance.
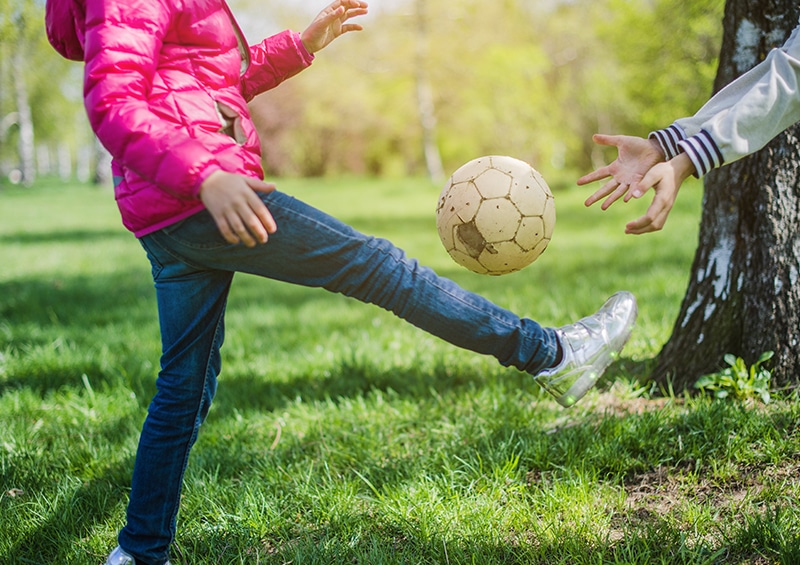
[122, 43]
[742, 117]
[272, 61]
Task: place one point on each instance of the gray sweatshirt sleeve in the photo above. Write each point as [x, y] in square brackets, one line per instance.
[742, 117]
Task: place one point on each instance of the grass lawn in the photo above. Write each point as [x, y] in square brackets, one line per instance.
[343, 435]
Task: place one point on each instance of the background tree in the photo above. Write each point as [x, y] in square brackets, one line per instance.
[743, 295]
[15, 25]
[41, 113]
[426, 107]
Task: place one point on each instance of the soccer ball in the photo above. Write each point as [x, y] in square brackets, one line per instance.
[495, 215]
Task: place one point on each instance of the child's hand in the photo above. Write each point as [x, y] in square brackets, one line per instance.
[666, 179]
[635, 156]
[240, 214]
[330, 23]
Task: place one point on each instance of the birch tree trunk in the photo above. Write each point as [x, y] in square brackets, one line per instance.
[744, 291]
[425, 104]
[27, 150]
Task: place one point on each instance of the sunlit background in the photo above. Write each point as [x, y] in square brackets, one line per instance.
[428, 85]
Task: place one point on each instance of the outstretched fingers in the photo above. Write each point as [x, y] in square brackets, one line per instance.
[656, 215]
[353, 9]
[331, 23]
[608, 170]
[345, 10]
[611, 191]
[599, 174]
[653, 220]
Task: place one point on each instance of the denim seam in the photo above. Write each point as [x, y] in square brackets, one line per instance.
[196, 428]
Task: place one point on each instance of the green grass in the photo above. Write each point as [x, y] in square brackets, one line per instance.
[342, 435]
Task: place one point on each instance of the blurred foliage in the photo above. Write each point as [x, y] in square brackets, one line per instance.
[529, 78]
[667, 56]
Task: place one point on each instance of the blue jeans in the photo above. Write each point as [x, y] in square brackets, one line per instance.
[193, 267]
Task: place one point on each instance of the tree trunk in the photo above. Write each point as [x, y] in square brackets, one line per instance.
[744, 290]
[102, 165]
[27, 149]
[425, 104]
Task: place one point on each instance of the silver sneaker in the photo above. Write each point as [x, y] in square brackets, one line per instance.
[121, 557]
[589, 346]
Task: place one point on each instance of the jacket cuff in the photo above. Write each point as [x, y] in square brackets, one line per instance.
[202, 175]
[703, 152]
[668, 139]
[307, 57]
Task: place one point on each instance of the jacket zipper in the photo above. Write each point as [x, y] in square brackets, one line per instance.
[244, 49]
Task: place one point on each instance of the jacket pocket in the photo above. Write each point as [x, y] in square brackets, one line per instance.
[231, 122]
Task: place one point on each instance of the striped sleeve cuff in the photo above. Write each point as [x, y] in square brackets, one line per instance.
[703, 152]
[668, 139]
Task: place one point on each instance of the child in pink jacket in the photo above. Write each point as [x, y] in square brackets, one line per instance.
[166, 88]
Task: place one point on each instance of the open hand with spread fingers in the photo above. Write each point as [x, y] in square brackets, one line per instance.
[635, 156]
[331, 23]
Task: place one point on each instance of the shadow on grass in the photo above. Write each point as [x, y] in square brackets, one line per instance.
[347, 379]
[62, 236]
[86, 313]
[71, 315]
[53, 331]
[70, 515]
[362, 539]
[74, 303]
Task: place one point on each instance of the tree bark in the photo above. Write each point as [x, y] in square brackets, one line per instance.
[744, 290]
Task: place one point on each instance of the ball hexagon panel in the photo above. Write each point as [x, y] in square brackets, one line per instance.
[531, 231]
[493, 183]
[469, 262]
[460, 199]
[504, 257]
[530, 195]
[471, 170]
[497, 219]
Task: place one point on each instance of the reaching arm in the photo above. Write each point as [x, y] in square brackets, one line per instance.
[283, 55]
[742, 117]
[240, 214]
[331, 23]
[739, 120]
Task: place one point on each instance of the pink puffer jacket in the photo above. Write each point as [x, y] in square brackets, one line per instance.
[166, 87]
